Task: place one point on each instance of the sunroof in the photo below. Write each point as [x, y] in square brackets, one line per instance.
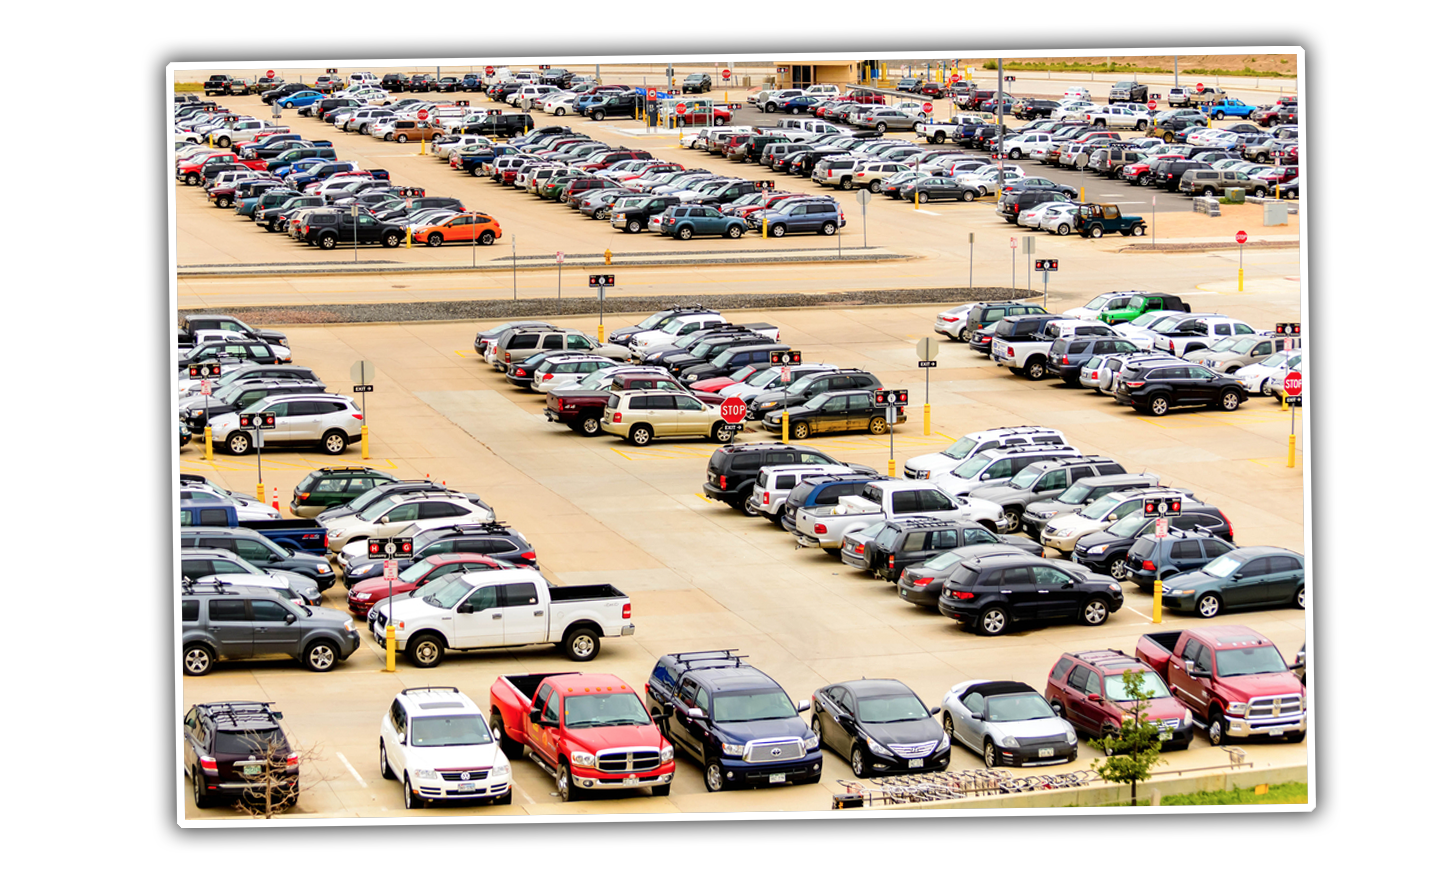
[440, 705]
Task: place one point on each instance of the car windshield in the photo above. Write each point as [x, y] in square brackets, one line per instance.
[1145, 319]
[816, 403]
[1075, 494]
[749, 706]
[1252, 660]
[1225, 344]
[466, 729]
[960, 449]
[1166, 323]
[742, 372]
[1013, 708]
[1223, 565]
[611, 708]
[1280, 360]
[1128, 526]
[673, 327]
[1151, 685]
[970, 468]
[248, 743]
[891, 708]
[1100, 506]
[723, 357]
[448, 595]
[415, 571]
[1025, 478]
[943, 561]
[1240, 345]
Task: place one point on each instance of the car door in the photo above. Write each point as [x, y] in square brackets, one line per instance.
[478, 619]
[1283, 579]
[275, 629]
[228, 621]
[835, 712]
[1200, 385]
[1078, 709]
[971, 721]
[831, 417]
[545, 733]
[860, 410]
[684, 730]
[1056, 594]
[692, 416]
[1019, 589]
[1186, 555]
[396, 737]
[523, 613]
[1249, 584]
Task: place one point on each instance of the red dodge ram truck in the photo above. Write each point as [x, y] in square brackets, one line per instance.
[588, 731]
[1232, 678]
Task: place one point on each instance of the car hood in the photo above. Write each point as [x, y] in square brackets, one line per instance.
[914, 731]
[1043, 727]
[1257, 685]
[616, 736]
[414, 609]
[788, 726]
[473, 756]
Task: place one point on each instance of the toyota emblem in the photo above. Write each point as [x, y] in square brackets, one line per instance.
[777, 751]
[465, 775]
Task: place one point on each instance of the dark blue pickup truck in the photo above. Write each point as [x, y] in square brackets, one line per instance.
[300, 535]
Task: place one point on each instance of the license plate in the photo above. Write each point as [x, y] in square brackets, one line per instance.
[777, 778]
[251, 770]
[916, 763]
[466, 787]
[1047, 752]
[631, 781]
[1165, 734]
[1275, 732]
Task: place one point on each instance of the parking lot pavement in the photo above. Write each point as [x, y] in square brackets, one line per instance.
[701, 575]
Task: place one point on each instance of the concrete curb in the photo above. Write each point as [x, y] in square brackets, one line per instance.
[1148, 249]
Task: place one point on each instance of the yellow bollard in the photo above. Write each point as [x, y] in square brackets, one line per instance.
[264, 500]
[207, 442]
[600, 333]
[1277, 190]
[1156, 591]
[926, 420]
[608, 257]
[764, 229]
[1239, 278]
[365, 441]
[389, 640]
[1291, 448]
[1082, 194]
[916, 198]
[422, 145]
[891, 468]
[1284, 402]
[681, 140]
[785, 426]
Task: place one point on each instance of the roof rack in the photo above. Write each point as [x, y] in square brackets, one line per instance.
[192, 587]
[685, 659]
[925, 522]
[412, 689]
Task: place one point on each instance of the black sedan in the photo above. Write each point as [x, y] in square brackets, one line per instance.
[936, 188]
[1159, 388]
[923, 583]
[833, 411]
[880, 727]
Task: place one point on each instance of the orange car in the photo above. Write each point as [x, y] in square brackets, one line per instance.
[463, 228]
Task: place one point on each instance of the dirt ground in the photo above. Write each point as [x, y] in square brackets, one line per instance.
[1230, 63]
[1235, 217]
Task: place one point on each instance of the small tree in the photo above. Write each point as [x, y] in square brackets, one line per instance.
[271, 791]
[1132, 752]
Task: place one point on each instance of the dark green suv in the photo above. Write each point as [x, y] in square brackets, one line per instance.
[1140, 305]
[330, 486]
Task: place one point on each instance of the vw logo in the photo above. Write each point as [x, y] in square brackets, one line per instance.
[465, 775]
[777, 751]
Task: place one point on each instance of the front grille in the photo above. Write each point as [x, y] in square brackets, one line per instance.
[456, 775]
[1032, 742]
[781, 750]
[1274, 707]
[628, 761]
[913, 751]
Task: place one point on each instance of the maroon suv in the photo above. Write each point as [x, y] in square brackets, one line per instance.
[1087, 689]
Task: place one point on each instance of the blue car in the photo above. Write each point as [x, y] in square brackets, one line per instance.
[301, 98]
[820, 217]
[800, 104]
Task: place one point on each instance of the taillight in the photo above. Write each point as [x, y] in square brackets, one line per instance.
[519, 371]
[626, 610]
[548, 376]
[616, 418]
[1148, 565]
[891, 561]
[820, 528]
[963, 596]
[1230, 535]
[722, 481]
[507, 357]
[858, 549]
[1065, 359]
[1171, 346]
[528, 555]
[1010, 351]
[358, 416]
[292, 760]
[208, 763]
[919, 581]
[951, 318]
[766, 497]
[1095, 374]
[1134, 384]
[303, 496]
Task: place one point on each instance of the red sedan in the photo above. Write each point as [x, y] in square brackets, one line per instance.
[444, 565]
[718, 383]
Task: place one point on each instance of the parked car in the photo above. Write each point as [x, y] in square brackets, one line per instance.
[1179, 552]
[331, 486]
[1250, 576]
[992, 593]
[1160, 386]
[879, 727]
[436, 568]
[1008, 723]
[1088, 690]
[435, 741]
[227, 744]
[831, 412]
[213, 612]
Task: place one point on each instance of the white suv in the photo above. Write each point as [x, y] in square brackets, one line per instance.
[566, 371]
[435, 741]
[937, 463]
[329, 421]
[392, 515]
[770, 492]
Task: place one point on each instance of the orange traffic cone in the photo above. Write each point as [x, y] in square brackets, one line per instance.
[275, 499]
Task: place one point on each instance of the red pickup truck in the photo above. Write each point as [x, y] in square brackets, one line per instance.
[588, 731]
[1233, 679]
[191, 172]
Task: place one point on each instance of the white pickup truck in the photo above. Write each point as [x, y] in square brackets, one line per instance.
[493, 609]
[939, 131]
[646, 342]
[1118, 116]
[824, 527]
[1030, 356]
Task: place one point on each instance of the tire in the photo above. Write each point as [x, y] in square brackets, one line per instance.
[795, 110]
[881, 127]
[876, 186]
[602, 213]
[1035, 370]
[1230, 400]
[993, 621]
[938, 137]
[193, 179]
[712, 776]
[1217, 729]
[777, 230]
[684, 233]
[1118, 569]
[633, 226]
[197, 659]
[800, 430]
[1259, 192]
[1159, 405]
[845, 182]
[426, 651]
[1209, 191]
[733, 233]
[1209, 605]
[1138, 231]
[591, 426]
[1095, 612]
[385, 770]
[435, 240]
[275, 226]
[1012, 516]
[401, 140]
[1062, 229]
[224, 201]
[1144, 180]
[770, 107]
[327, 242]
[238, 443]
[479, 170]
[829, 229]
[410, 802]
[878, 425]
[224, 142]
[321, 657]
[968, 196]
[391, 241]
[1015, 154]
[1096, 232]
[597, 115]
[334, 442]
[511, 749]
[991, 755]
[582, 644]
[560, 110]
[199, 791]
[1140, 125]
[856, 762]
[1220, 115]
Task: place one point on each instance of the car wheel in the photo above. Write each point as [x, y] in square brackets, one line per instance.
[1217, 729]
[817, 728]
[435, 240]
[1159, 405]
[733, 233]
[993, 621]
[478, 170]
[1138, 231]
[1035, 370]
[1259, 192]
[384, 770]
[487, 238]
[845, 182]
[411, 801]
[878, 425]
[560, 110]
[602, 213]
[391, 241]
[771, 107]
[597, 115]
[1118, 569]
[778, 230]
[800, 430]
[335, 442]
[1143, 180]
[426, 651]
[321, 657]
[197, 659]
[829, 229]
[991, 755]
[633, 227]
[1140, 125]
[968, 196]
[401, 139]
[1097, 232]
[591, 426]
[199, 790]
[1095, 612]
[856, 762]
[1209, 605]
[1231, 400]
[582, 645]
[239, 443]
[876, 186]
[684, 234]
[713, 777]
[327, 241]
[1012, 517]
[276, 225]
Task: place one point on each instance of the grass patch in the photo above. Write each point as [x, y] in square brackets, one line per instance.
[1066, 67]
[1280, 793]
[186, 86]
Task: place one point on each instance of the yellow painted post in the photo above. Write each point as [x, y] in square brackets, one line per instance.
[1156, 602]
[423, 144]
[600, 333]
[916, 198]
[891, 468]
[264, 500]
[926, 420]
[785, 425]
[1284, 402]
[365, 441]
[1082, 194]
[1239, 278]
[389, 637]
[408, 238]
[764, 228]
[207, 440]
[1291, 447]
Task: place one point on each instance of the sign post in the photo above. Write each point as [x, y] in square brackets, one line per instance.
[892, 398]
[1045, 267]
[864, 196]
[1160, 509]
[1292, 387]
[734, 410]
[204, 371]
[559, 262]
[1241, 239]
[1014, 244]
[600, 282]
[258, 422]
[1153, 221]
[928, 349]
[389, 549]
[362, 373]
[971, 260]
[1029, 250]
[786, 359]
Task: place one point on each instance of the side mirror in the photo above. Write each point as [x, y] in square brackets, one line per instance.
[466, 607]
[695, 713]
[385, 519]
[1113, 517]
[1093, 698]
[1189, 665]
[290, 619]
[933, 711]
[804, 706]
[975, 714]
[535, 715]
[399, 737]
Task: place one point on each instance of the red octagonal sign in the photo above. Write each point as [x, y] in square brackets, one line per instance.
[928, 107]
[270, 74]
[734, 410]
[726, 75]
[1293, 383]
[1241, 237]
[489, 71]
[423, 114]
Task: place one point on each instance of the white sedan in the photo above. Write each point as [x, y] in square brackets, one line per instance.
[1265, 376]
[1054, 216]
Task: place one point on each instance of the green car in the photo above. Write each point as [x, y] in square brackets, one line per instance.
[1251, 576]
[330, 486]
[551, 190]
[1140, 305]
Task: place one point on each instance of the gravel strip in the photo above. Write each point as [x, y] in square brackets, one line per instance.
[485, 310]
[599, 261]
[1137, 248]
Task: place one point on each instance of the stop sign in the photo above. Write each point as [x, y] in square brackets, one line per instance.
[928, 107]
[726, 75]
[270, 74]
[1151, 104]
[681, 109]
[1241, 237]
[489, 71]
[734, 410]
[1292, 383]
[954, 78]
[423, 114]
[1200, 88]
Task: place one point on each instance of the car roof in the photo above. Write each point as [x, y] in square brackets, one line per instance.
[727, 679]
[432, 700]
[868, 688]
[990, 688]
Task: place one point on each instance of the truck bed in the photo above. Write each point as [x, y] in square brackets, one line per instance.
[585, 592]
[527, 684]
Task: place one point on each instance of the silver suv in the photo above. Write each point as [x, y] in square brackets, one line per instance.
[1043, 479]
[222, 621]
[328, 421]
[1038, 513]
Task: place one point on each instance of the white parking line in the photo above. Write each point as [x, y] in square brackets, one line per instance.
[1139, 613]
[352, 771]
[926, 212]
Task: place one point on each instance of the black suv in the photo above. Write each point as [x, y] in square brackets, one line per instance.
[278, 93]
[393, 82]
[991, 593]
[1069, 354]
[260, 552]
[495, 539]
[914, 539]
[809, 386]
[1012, 328]
[734, 719]
[1168, 174]
[1106, 551]
[1176, 553]
[979, 323]
[330, 486]
[512, 124]
[1159, 386]
[617, 106]
[220, 620]
[327, 228]
[1013, 203]
[632, 219]
[697, 83]
[732, 470]
[228, 744]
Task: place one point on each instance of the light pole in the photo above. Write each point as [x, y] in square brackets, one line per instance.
[1000, 105]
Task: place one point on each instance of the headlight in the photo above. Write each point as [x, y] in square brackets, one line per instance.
[1094, 550]
[668, 754]
[365, 568]
[767, 405]
[734, 749]
[583, 759]
[1009, 741]
[503, 770]
[1181, 592]
[1237, 709]
[425, 774]
[1186, 717]
[1070, 735]
[1115, 587]
[323, 568]
[878, 749]
[310, 592]
[943, 744]
[335, 533]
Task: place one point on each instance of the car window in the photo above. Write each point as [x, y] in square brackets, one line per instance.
[268, 611]
[226, 610]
